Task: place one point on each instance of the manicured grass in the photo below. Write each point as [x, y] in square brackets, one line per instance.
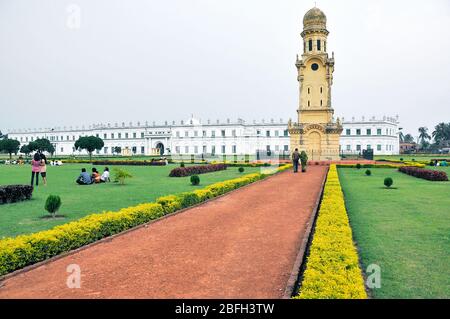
[410, 157]
[147, 184]
[403, 230]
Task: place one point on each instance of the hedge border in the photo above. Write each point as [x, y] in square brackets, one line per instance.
[332, 272]
[159, 209]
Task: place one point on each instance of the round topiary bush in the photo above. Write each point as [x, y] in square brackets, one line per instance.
[358, 166]
[52, 204]
[182, 164]
[241, 169]
[401, 158]
[388, 182]
[195, 180]
[368, 172]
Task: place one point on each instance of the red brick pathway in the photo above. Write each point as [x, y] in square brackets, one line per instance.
[242, 245]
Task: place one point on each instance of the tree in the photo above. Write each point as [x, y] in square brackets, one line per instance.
[9, 146]
[408, 138]
[89, 143]
[2, 136]
[117, 149]
[25, 149]
[424, 137]
[42, 145]
[441, 133]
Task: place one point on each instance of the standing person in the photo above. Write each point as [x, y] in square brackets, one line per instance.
[43, 165]
[35, 168]
[295, 159]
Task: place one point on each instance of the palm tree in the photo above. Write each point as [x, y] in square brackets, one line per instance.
[401, 136]
[423, 135]
[441, 132]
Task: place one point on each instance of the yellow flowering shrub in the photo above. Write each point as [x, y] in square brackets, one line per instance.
[24, 250]
[332, 268]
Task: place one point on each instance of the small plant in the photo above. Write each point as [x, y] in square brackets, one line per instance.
[401, 159]
[52, 204]
[358, 166]
[182, 164]
[413, 159]
[241, 169]
[388, 182]
[120, 175]
[195, 180]
[368, 172]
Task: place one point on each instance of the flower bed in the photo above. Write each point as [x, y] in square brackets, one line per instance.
[332, 268]
[198, 169]
[24, 250]
[15, 193]
[412, 164]
[427, 174]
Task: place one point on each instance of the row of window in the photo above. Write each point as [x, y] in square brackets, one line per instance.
[268, 133]
[195, 149]
[318, 45]
[369, 146]
[388, 131]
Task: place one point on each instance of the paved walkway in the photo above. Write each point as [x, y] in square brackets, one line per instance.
[242, 245]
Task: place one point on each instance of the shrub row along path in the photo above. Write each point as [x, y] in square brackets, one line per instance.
[241, 245]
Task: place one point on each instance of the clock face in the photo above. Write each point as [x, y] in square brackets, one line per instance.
[314, 66]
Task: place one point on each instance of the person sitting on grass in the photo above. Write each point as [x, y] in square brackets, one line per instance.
[105, 176]
[95, 176]
[84, 178]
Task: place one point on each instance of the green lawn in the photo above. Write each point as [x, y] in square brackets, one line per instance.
[147, 184]
[406, 231]
[410, 157]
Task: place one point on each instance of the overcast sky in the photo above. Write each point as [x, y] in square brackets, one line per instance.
[151, 60]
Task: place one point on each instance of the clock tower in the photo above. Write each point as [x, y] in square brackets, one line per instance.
[316, 132]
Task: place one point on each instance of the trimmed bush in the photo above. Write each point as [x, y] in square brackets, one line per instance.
[368, 172]
[332, 268]
[15, 193]
[195, 180]
[52, 204]
[427, 174]
[196, 170]
[241, 169]
[358, 166]
[182, 164]
[388, 182]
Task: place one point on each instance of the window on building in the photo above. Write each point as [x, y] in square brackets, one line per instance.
[378, 131]
[213, 133]
[277, 148]
[233, 148]
[318, 45]
[286, 148]
[321, 90]
[112, 135]
[268, 133]
[277, 133]
[186, 134]
[119, 135]
[368, 131]
[325, 46]
[186, 149]
[233, 132]
[195, 133]
[309, 90]
[358, 147]
[177, 149]
[134, 149]
[368, 147]
[196, 149]
[213, 149]
[223, 149]
[223, 133]
[62, 149]
[379, 147]
[204, 133]
[258, 132]
[134, 135]
[286, 133]
[96, 135]
[126, 135]
[320, 102]
[105, 150]
[348, 147]
[348, 131]
[142, 134]
[358, 131]
[142, 149]
[178, 134]
[204, 149]
[310, 45]
[73, 138]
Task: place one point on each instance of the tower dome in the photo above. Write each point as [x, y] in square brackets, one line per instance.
[314, 18]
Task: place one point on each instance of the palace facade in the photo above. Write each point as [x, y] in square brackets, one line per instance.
[193, 136]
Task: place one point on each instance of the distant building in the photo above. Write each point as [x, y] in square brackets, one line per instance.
[197, 137]
[406, 148]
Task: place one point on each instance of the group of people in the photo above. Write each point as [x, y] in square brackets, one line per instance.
[39, 167]
[94, 178]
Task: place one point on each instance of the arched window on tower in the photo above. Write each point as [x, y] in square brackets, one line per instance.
[309, 90]
[304, 46]
[318, 45]
[310, 45]
[321, 90]
[309, 104]
[320, 102]
[325, 46]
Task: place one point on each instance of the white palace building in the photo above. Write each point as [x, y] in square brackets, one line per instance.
[194, 137]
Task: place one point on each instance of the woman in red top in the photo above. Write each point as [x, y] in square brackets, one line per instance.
[35, 168]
